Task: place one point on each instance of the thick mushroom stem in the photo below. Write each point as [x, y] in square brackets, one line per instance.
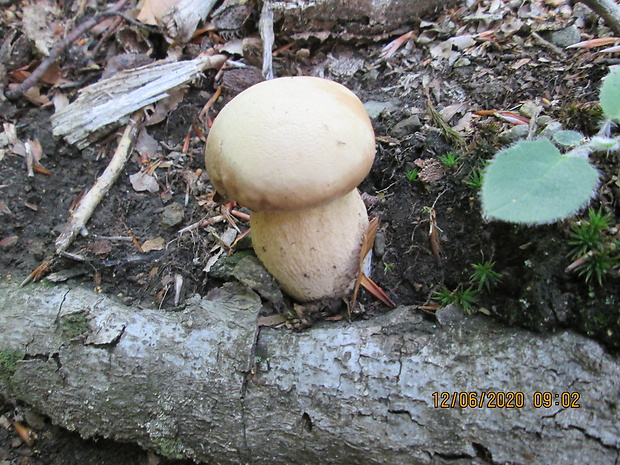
[313, 253]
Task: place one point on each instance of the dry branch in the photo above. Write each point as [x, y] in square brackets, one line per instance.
[78, 219]
[609, 10]
[205, 383]
[38, 73]
[104, 105]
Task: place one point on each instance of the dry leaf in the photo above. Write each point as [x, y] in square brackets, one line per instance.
[146, 144]
[141, 181]
[101, 247]
[38, 24]
[153, 244]
[448, 112]
[60, 101]
[8, 242]
[33, 95]
[166, 105]
[598, 42]
[431, 170]
[4, 209]
[611, 49]
[25, 433]
[153, 11]
[272, 320]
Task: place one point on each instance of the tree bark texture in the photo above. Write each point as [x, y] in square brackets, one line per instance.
[353, 19]
[207, 383]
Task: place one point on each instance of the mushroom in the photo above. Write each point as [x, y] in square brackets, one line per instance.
[293, 151]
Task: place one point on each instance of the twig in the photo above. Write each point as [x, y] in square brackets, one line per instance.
[265, 27]
[21, 89]
[545, 43]
[78, 219]
[89, 202]
[533, 123]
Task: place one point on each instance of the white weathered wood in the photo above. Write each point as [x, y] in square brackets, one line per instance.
[107, 104]
[88, 203]
[206, 383]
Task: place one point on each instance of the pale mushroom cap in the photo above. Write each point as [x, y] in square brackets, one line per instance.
[313, 254]
[290, 143]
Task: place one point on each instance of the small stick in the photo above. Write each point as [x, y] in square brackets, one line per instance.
[265, 27]
[17, 92]
[89, 202]
[609, 10]
[78, 219]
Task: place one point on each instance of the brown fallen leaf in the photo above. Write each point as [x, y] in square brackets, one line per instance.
[8, 242]
[376, 291]
[272, 320]
[25, 433]
[101, 247]
[431, 170]
[153, 244]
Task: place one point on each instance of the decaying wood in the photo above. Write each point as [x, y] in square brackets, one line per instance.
[105, 105]
[346, 19]
[206, 383]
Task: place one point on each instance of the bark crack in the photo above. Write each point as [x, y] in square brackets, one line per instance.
[244, 453]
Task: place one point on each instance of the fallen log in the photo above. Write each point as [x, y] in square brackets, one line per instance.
[205, 382]
[345, 19]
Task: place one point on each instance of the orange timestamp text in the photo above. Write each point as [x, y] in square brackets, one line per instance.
[505, 399]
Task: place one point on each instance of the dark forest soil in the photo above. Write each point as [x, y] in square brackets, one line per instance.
[535, 292]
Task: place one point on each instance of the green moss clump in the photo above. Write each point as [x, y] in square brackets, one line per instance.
[169, 447]
[75, 325]
[8, 362]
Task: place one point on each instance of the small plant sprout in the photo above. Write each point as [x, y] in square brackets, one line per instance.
[412, 175]
[534, 183]
[465, 298]
[449, 160]
[588, 235]
[388, 267]
[475, 178]
[485, 276]
[597, 265]
[595, 249]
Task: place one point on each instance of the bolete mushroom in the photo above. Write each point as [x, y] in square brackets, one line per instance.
[293, 151]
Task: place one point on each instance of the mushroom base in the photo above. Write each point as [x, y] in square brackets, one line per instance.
[314, 253]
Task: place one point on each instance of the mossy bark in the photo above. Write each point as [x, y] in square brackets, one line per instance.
[206, 383]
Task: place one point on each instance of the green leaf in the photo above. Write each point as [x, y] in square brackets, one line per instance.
[568, 138]
[610, 94]
[534, 183]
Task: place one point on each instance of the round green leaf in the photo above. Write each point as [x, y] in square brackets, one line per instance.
[534, 183]
[568, 138]
[610, 94]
